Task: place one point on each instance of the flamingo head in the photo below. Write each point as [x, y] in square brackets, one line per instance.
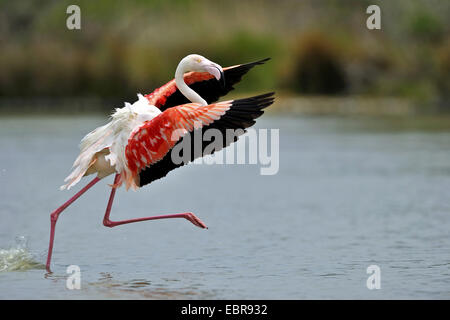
[198, 63]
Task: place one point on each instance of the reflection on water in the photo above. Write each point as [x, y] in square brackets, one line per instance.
[142, 289]
[106, 281]
[109, 286]
[350, 193]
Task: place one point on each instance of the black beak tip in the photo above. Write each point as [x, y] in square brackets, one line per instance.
[222, 79]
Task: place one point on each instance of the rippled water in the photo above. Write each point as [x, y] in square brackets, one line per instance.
[350, 193]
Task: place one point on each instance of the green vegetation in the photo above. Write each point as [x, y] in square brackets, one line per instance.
[317, 47]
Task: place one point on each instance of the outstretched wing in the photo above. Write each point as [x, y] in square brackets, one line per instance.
[148, 152]
[203, 83]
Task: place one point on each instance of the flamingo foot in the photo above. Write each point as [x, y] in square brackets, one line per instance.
[195, 220]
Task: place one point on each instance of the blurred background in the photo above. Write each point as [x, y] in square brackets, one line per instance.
[319, 49]
[364, 151]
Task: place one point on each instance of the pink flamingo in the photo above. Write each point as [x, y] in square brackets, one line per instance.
[136, 144]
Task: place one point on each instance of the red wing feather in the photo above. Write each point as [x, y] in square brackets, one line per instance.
[154, 139]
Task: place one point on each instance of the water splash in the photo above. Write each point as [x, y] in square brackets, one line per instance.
[18, 258]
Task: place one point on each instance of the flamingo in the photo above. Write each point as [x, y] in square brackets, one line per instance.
[136, 143]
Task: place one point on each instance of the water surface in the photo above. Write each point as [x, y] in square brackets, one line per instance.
[350, 193]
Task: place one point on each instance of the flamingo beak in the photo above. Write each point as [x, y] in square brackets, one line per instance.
[217, 72]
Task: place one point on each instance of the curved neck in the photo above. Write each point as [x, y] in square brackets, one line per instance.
[184, 88]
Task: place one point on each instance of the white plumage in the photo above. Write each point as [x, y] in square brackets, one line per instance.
[102, 151]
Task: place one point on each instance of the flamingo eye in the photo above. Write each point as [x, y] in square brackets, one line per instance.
[198, 60]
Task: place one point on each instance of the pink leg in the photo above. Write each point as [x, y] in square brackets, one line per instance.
[55, 214]
[108, 223]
